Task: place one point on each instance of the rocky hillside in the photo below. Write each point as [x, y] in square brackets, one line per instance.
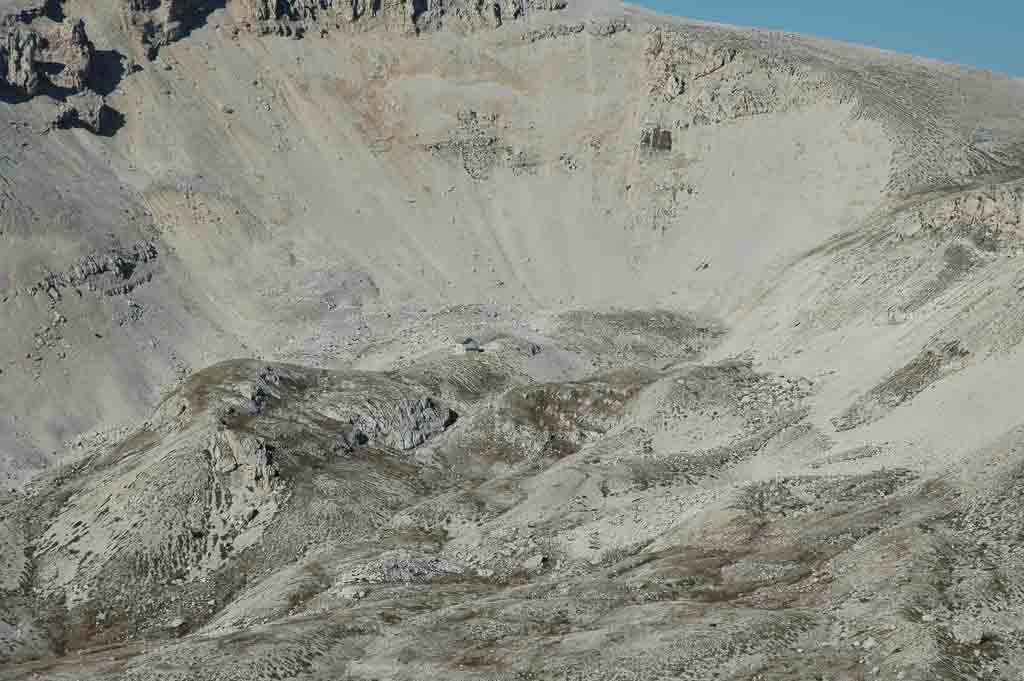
[526, 339]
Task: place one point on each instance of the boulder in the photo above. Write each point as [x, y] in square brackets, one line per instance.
[84, 110]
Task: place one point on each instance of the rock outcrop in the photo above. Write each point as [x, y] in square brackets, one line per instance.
[82, 110]
[37, 53]
[43, 54]
[231, 451]
[18, 59]
[676, 62]
[67, 47]
[160, 22]
[100, 270]
[402, 15]
[708, 81]
[991, 217]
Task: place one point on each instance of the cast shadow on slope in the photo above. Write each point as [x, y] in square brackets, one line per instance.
[85, 109]
[107, 72]
[179, 23]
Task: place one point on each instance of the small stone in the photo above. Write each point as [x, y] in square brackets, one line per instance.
[534, 563]
[353, 592]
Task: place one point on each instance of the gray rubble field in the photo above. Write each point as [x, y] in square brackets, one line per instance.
[522, 340]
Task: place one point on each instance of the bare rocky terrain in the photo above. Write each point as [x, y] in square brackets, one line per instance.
[534, 339]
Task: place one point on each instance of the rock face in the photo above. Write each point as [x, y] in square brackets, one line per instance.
[18, 59]
[677, 63]
[84, 109]
[231, 451]
[68, 47]
[423, 419]
[392, 420]
[992, 218]
[403, 15]
[708, 83]
[108, 271]
[37, 52]
[160, 22]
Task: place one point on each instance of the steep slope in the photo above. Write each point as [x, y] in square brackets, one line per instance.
[261, 195]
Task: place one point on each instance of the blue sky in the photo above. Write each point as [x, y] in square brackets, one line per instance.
[984, 34]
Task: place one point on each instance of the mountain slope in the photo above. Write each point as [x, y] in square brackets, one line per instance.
[284, 208]
[747, 306]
